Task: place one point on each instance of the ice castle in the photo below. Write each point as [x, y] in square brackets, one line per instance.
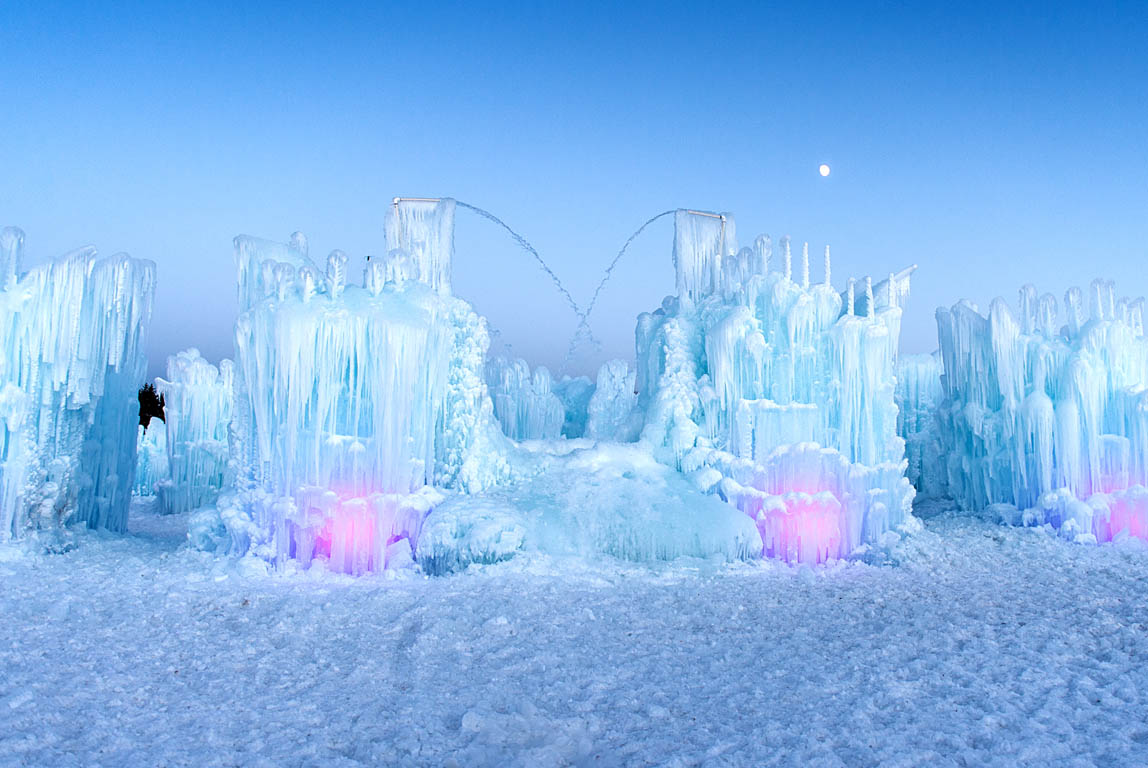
[73, 358]
[777, 393]
[364, 425]
[1049, 420]
[359, 409]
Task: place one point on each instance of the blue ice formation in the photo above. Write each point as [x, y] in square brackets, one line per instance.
[354, 404]
[197, 406]
[367, 425]
[74, 331]
[777, 393]
[151, 457]
[525, 404]
[919, 396]
[1046, 418]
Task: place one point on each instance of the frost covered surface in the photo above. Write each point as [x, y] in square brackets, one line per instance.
[198, 398]
[524, 401]
[1049, 418]
[590, 501]
[151, 457]
[121, 652]
[72, 336]
[750, 365]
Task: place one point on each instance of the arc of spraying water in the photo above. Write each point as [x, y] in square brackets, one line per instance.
[522, 241]
[584, 323]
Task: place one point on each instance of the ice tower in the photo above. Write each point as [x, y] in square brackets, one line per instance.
[72, 361]
[777, 393]
[919, 396]
[1048, 417]
[198, 399]
[352, 401]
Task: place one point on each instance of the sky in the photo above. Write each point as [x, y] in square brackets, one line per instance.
[991, 144]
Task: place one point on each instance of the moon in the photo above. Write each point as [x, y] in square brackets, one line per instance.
[823, 170]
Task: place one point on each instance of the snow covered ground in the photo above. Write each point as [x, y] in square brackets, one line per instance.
[975, 645]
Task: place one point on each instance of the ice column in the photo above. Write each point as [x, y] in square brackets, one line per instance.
[769, 387]
[1050, 419]
[197, 405]
[73, 336]
[423, 229]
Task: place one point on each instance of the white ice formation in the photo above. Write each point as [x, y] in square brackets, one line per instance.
[198, 398]
[777, 394]
[366, 421]
[919, 396]
[1048, 416]
[524, 402]
[72, 360]
[151, 457]
[352, 403]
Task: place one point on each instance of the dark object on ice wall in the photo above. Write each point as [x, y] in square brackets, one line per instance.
[151, 405]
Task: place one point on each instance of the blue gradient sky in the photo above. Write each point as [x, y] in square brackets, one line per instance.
[990, 145]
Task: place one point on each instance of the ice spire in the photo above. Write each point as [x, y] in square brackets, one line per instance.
[788, 257]
[869, 296]
[828, 267]
[307, 281]
[284, 282]
[805, 266]
[1074, 309]
[11, 253]
[336, 273]
[374, 276]
[763, 250]
[851, 303]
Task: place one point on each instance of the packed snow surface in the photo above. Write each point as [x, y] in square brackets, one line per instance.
[975, 644]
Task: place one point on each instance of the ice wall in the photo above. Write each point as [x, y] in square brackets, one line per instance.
[151, 457]
[73, 334]
[524, 402]
[919, 396]
[352, 403]
[423, 231]
[611, 411]
[198, 399]
[760, 384]
[1049, 414]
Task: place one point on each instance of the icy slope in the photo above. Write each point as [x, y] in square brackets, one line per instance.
[121, 652]
[607, 499]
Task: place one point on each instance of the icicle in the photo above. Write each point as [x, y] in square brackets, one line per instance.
[891, 297]
[298, 243]
[336, 273]
[284, 283]
[1027, 302]
[307, 282]
[763, 252]
[11, 254]
[1074, 310]
[805, 266]
[1096, 307]
[374, 276]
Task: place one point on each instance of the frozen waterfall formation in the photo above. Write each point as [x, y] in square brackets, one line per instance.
[1046, 419]
[777, 393]
[353, 404]
[366, 424]
[73, 358]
